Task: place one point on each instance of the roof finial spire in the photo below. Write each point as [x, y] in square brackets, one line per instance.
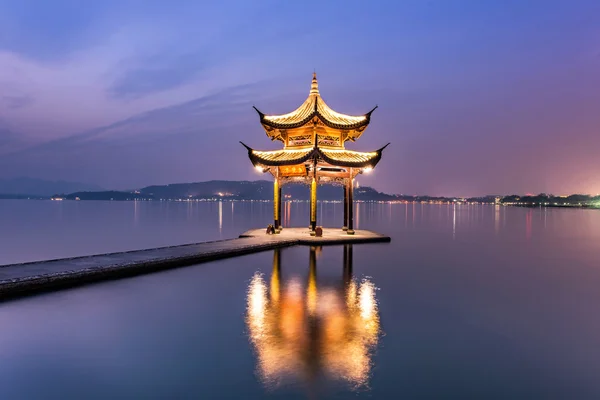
[314, 87]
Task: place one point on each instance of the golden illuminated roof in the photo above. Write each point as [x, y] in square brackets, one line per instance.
[349, 158]
[315, 106]
[339, 157]
[279, 157]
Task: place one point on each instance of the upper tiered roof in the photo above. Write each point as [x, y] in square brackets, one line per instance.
[315, 106]
[314, 133]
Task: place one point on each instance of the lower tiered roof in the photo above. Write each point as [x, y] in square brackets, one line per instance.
[338, 157]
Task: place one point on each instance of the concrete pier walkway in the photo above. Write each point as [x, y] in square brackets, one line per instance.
[21, 279]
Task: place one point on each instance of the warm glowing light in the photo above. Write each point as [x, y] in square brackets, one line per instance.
[311, 294]
[259, 168]
[292, 170]
[257, 302]
[351, 295]
[367, 170]
[298, 332]
[274, 292]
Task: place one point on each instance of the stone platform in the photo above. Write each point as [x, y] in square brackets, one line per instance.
[330, 236]
[26, 278]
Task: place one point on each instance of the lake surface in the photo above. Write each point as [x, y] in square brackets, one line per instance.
[465, 302]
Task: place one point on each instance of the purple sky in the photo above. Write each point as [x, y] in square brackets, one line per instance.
[476, 97]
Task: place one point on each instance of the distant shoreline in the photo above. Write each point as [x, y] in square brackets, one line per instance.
[262, 190]
[215, 200]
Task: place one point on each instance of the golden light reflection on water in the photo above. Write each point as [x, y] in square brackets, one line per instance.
[300, 331]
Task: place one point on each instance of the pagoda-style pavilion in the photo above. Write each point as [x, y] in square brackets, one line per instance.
[314, 152]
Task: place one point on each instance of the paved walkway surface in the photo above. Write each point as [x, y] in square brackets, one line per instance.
[19, 279]
[330, 236]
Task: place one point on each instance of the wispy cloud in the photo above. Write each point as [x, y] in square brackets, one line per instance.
[157, 73]
[185, 129]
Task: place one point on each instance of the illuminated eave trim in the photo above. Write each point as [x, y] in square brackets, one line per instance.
[371, 162]
[307, 119]
[255, 158]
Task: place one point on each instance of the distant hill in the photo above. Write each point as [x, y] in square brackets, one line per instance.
[254, 190]
[40, 187]
[24, 188]
[231, 190]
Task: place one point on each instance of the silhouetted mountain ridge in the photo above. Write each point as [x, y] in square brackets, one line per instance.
[230, 190]
[263, 190]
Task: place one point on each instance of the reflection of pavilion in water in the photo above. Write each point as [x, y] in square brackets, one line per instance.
[317, 330]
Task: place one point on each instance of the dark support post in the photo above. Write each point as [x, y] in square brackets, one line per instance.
[350, 230]
[310, 211]
[345, 226]
[347, 264]
[280, 227]
[313, 204]
[313, 199]
[276, 203]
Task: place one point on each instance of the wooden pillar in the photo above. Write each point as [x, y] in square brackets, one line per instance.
[345, 226]
[280, 226]
[313, 204]
[350, 188]
[276, 203]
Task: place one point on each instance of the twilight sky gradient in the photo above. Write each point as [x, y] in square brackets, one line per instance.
[477, 97]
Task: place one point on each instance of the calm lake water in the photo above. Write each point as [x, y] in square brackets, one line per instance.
[466, 302]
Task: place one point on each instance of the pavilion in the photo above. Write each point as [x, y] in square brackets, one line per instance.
[314, 152]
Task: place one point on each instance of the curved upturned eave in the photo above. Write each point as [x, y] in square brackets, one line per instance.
[316, 151]
[315, 113]
[256, 159]
[371, 162]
